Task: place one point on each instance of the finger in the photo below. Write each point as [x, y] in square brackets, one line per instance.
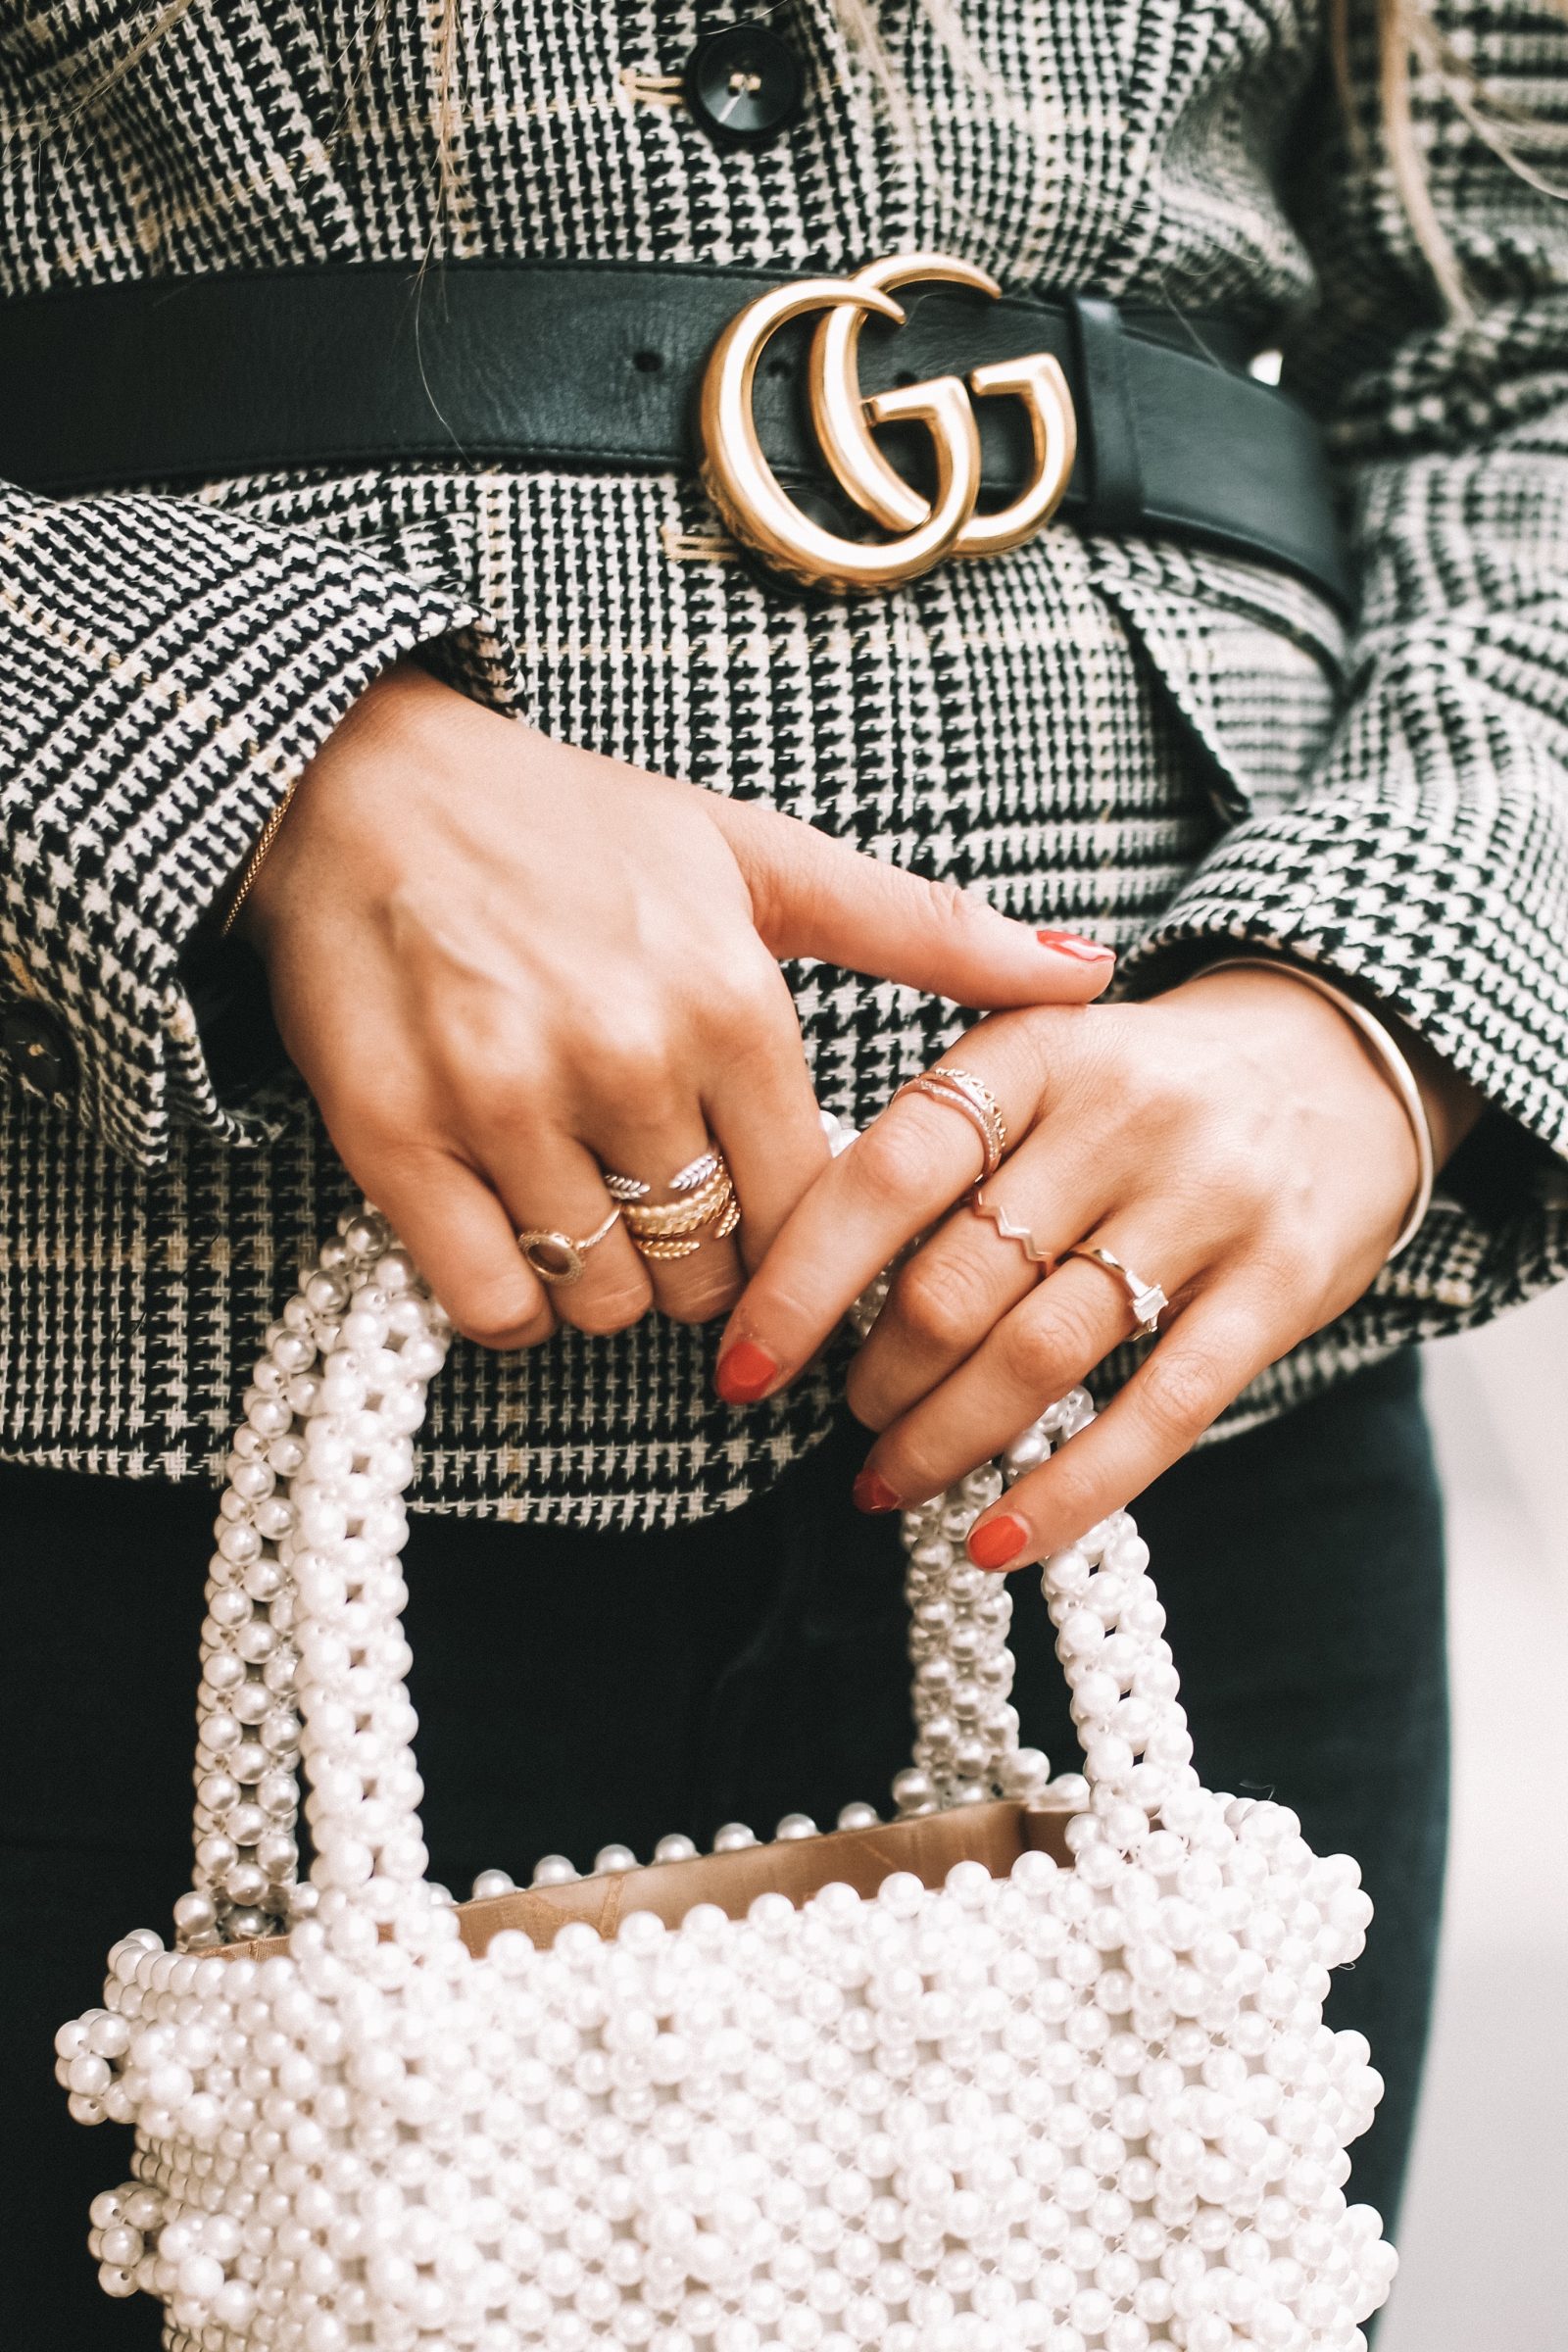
[1188, 1379]
[460, 1238]
[1045, 1345]
[561, 1193]
[766, 1120]
[909, 1166]
[814, 895]
[675, 1163]
[969, 1274]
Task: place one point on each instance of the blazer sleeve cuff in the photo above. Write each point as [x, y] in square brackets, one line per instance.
[154, 735]
[1465, 941]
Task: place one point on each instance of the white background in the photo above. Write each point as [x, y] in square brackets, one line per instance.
[1484, 2238]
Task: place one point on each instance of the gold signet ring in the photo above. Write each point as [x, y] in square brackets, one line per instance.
[554, 1257]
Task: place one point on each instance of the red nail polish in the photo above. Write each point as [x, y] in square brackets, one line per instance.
[998, 1541]
[1070, 942]
[744, 1373]
[872, 1493]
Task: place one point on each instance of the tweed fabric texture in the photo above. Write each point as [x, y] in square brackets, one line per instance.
[1172, 749]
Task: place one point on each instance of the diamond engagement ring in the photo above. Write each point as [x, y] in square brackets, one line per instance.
[1148, 1300]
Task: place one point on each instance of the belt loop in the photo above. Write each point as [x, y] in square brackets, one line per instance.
[1106, 415]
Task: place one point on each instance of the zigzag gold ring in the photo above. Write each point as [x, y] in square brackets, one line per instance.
[1033, 1251]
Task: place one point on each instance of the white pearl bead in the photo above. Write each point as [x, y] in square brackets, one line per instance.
[674, 1848]
[859, 1817]
[552, 1870]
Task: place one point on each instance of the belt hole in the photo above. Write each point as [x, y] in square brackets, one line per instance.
[778, 365]
[648, 363]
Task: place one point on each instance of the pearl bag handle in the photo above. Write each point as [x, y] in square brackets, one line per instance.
[303, 1661]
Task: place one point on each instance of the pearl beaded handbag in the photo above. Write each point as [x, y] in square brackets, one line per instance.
[1040, 2062]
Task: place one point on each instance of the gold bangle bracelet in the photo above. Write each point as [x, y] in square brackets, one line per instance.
[253, 863]
[1388, 1059]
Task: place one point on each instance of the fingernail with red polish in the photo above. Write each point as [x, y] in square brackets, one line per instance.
[744, 1373]
[1070, 942]
[998, 1541]
[872, 1493]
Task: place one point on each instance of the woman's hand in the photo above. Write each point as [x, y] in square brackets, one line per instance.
[503, 966]
[1234, 1141]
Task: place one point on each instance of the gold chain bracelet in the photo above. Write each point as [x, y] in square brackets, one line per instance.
[253, 863]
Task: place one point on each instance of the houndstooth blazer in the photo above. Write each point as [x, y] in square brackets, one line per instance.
[1174, 750]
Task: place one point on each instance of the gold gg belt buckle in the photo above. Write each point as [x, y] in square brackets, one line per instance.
[759, 511]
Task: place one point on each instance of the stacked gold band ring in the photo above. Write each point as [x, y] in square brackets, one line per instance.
[962, 1090]
[664, 1231]
[637, 1188]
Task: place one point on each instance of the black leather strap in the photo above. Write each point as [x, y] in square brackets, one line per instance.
[596, 366]
[1108, 417]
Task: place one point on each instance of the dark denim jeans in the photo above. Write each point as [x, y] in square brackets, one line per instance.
[574, 1688]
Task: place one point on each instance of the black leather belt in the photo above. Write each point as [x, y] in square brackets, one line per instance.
[597, 367]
